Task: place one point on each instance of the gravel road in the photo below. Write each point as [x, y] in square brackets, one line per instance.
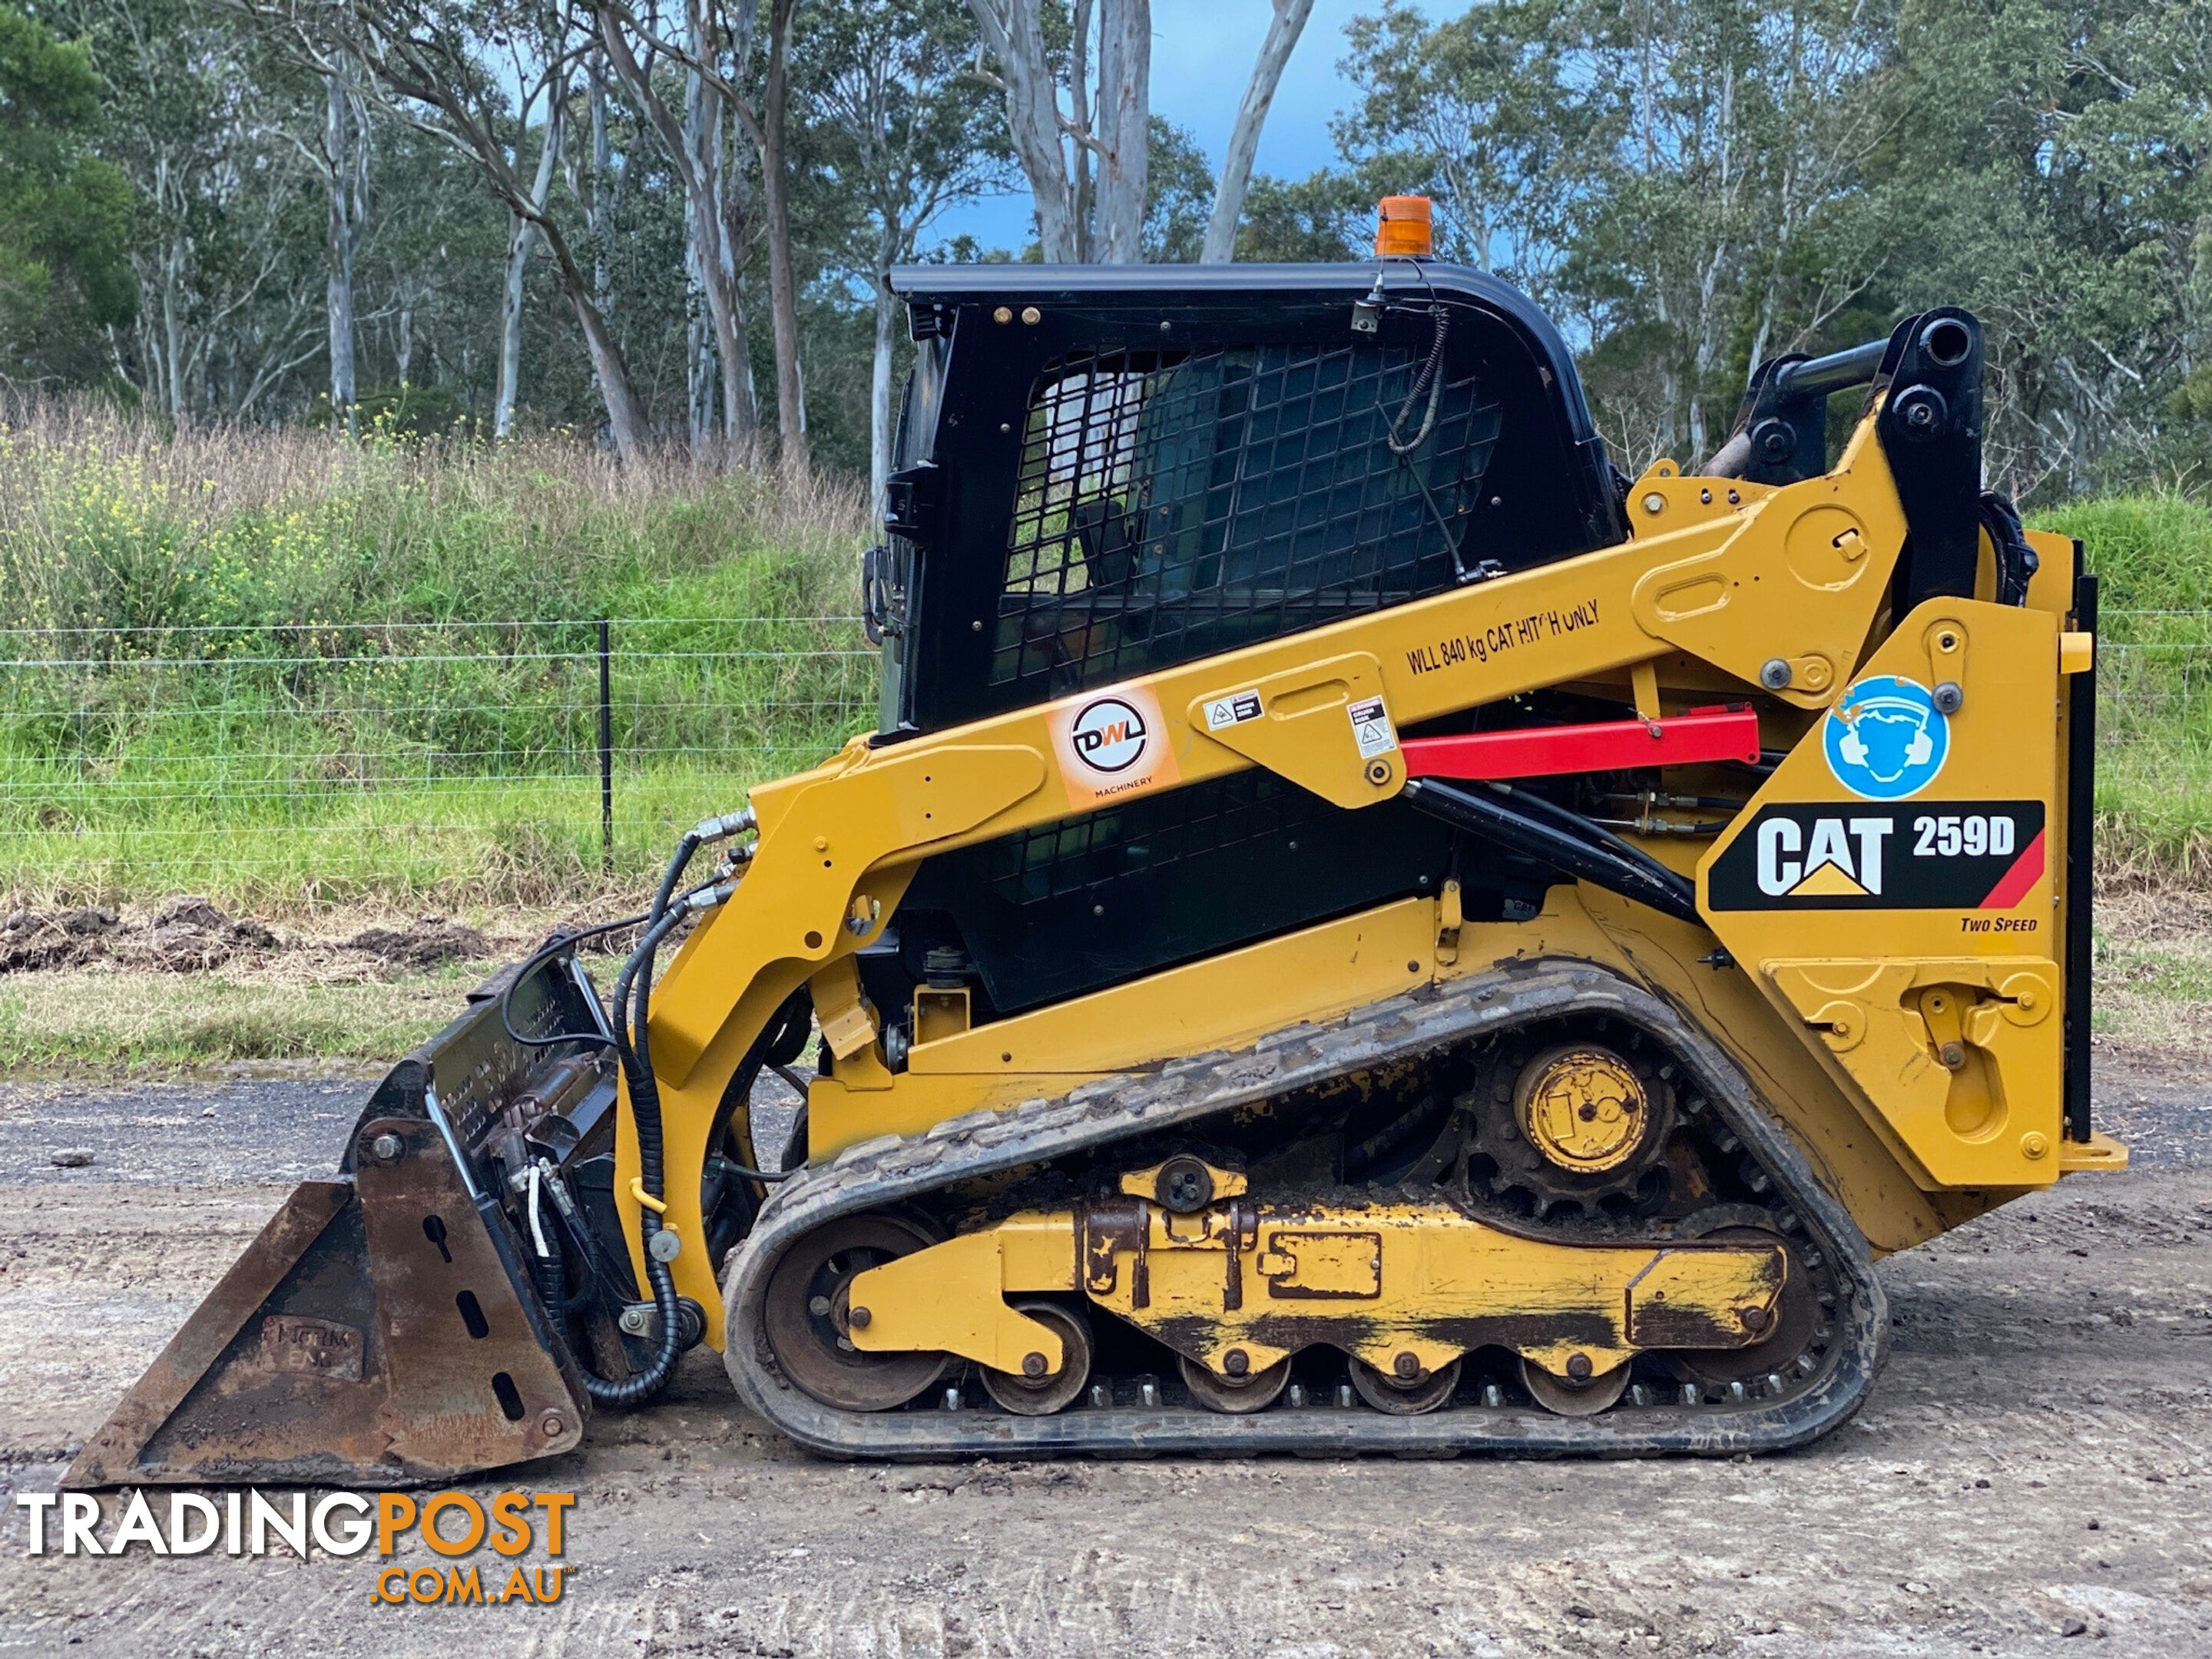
[2033, 1473]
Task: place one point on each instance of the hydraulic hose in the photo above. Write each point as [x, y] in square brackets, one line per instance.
[636, 979]
[645, 1117]
[551, 948]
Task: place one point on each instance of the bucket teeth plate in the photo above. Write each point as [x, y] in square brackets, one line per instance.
[379, 1331]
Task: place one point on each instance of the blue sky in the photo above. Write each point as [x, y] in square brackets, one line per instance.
[1202, 53]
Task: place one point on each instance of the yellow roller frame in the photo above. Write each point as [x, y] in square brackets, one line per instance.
[1237, 1286]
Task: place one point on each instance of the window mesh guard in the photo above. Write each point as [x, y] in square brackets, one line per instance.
[1172, 505]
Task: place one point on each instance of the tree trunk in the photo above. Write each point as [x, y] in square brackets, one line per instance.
[1124, 125]
[521, 235]
[1283, 31]
[1011, 29]
[626, 423]
[173, 332]
[341, 139]
[698, 352]
[879, 394]
[715, 271]
[782, 284]
[696, 148]
[603, 189]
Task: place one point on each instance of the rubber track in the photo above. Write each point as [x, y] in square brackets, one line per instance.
[892, 1168]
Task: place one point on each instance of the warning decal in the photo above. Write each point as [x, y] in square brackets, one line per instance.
[1111, 743]
[1232, 710]
[1371, 728]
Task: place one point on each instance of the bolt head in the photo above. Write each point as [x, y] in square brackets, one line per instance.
[1953, 1055]
[1775, 674]
[1578, 1367]
[1407, 1366]
[1654, 503]
[1237, 1362]
[1184, 1185]
[1378, 772]
[1755, 1319]
[1033, 1366]
[2034, 1144]
[552, 1426]
[388, 1148]
[860, 1318]
[1948, 696]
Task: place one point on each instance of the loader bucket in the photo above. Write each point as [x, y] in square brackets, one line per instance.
[383, 1330]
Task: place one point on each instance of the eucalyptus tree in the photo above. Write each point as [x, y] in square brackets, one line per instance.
[472, 73]
[907, 132]
[1076, 83]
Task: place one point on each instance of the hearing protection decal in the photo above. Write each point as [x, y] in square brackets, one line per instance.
[1952, 856]
[1887, 739]
[1111, 743]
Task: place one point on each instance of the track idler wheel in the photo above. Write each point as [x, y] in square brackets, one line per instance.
[1043, 1395]
[1235, 1396]
[1403, 1398]
[1796, 1317]
[808, 1315]
[1565, 1397]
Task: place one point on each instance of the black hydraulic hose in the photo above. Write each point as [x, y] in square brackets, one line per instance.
[645, 1118]
[2016, 560]
[1583, 851]
[629, 1045]
[553, 1282]
[553, 948]
[1574, 823]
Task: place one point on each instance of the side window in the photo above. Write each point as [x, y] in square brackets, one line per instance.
[1170, 506]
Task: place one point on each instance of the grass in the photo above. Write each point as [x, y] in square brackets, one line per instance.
[83, 1021]
[338, 683]
[2153, 972]
[2153, 556]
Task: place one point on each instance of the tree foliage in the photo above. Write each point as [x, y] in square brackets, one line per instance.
[64, 214]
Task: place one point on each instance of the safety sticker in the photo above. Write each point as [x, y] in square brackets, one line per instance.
[1886, 739]
[1232, 710]
[1371, 728]
[1948, 855]
[1111, 743]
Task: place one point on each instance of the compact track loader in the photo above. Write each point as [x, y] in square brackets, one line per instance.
[1358, 929]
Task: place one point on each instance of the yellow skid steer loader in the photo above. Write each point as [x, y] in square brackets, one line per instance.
[1358, 929]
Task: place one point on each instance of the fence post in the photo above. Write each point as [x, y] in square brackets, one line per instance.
[606, 750]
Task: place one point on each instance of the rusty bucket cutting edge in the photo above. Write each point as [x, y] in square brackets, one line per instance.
[379, 1331]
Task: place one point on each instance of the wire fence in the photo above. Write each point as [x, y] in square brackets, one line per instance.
[537, 754]
[220, 750]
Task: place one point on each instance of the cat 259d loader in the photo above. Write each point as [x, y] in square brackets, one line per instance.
[1358, 929]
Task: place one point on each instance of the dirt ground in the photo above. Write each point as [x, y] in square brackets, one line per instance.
[2032, 1474]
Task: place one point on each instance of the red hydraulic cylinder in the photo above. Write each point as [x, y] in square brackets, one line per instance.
[1702, 735]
